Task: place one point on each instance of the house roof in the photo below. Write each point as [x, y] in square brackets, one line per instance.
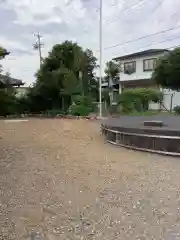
[13, 81]
[142, 53]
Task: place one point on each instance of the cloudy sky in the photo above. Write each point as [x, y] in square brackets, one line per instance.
[78, 20]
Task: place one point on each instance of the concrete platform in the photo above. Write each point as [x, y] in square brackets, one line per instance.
[129, 131]
[136, 124]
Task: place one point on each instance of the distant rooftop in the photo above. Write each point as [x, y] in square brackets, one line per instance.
[142, 53]
[13, 81]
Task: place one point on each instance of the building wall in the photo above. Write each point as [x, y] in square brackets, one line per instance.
[20, 91]
[139, 74]
[171, 98]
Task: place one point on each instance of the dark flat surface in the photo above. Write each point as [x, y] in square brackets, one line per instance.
[136, 124]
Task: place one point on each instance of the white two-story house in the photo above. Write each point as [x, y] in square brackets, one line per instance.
[136, 72]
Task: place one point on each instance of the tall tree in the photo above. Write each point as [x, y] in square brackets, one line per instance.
[167, 71]
[112, 71]
[111, 77]
[59, 76]
[89, 65]
[7, 93]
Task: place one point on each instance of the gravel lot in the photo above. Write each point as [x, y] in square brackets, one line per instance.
[59, 180]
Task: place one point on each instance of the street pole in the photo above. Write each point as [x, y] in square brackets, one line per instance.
[38, 46]
[100, 60]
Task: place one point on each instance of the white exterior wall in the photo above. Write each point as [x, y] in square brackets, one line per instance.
[171, 96]
[154, 106]
[176, 99]
[21, 91]
[139, 74]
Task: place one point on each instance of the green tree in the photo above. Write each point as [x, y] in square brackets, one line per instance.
[58, 79]
[7, 93]
[139, 99]
[7, 97]
[112, 71]
[89, 64]
[3, 52]
[167, 71]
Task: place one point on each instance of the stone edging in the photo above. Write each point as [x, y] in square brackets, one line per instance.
[50, 117]
[161, 144]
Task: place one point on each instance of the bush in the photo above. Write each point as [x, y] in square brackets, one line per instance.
[138, 99]
[83, 100]
[177, 110]
[79, 110]
[82, 106]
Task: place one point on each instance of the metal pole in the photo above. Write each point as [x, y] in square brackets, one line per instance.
[100, 60]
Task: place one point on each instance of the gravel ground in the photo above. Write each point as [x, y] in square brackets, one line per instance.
[59, 180]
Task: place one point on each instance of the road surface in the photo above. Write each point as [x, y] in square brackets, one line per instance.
[60, 180]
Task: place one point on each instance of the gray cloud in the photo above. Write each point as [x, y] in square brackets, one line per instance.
[79, 21]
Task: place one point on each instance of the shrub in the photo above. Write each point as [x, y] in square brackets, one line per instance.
[83, 100]
[79, 110]
[177, 110]
[82, 106]
[138, 99]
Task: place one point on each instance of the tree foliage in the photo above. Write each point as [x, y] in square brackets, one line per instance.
[3, 52]
[81, 106]
[177, 110]
[67, 71]
[7, 93]
[112, 71]
[167, 71]
[138, 99]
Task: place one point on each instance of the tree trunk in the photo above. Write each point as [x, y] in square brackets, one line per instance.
[63, 103]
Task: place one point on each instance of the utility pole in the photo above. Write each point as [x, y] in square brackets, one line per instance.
[38, 46]
[100, 59]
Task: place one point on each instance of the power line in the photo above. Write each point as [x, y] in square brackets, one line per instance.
[95, 11]
[140, 38]
[123, 10]
[158, 42]
[138, 3]
[128, 9]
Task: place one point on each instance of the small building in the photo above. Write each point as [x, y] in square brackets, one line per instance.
[18, 85]
[6, 81]
[136, 72]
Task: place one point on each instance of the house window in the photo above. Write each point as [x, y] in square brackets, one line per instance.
[149, 64]
[130, 67]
